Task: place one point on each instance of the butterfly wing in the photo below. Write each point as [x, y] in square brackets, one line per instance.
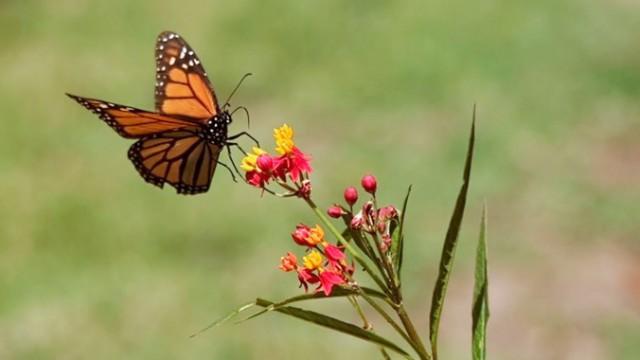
[132, 123]
[181, 158]
[182, 85]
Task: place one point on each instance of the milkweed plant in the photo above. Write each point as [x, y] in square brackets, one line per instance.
[358, 238]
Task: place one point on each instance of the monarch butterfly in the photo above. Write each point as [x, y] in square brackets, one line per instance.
[180, 143]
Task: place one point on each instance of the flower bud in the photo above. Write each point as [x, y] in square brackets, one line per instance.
[370, 184]
[386, 243]
[351, 195]
[335, 211]
[305, 191]
[301, 234]
[265, 163]
[357, 221]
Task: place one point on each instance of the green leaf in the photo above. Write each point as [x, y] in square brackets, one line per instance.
[334, 324]
[449, 248]
[226, 318]
[337, 292]
[480, 311]
[397, 248]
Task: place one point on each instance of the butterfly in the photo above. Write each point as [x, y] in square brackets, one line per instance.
[181, 141]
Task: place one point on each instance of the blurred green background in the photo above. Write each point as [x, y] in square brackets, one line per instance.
[94, 263]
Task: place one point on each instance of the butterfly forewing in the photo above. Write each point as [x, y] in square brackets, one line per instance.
[130, 122]
[180, 158]
[182, 85]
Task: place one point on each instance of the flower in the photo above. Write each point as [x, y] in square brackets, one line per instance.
[316, 236]
[301, 234]
[265, 163]
[369, 183]
[288, 263]
[284, 139]
[350, 195]
[306, 276]
[294, 163]
[333, 253]
[335, 211]
[256, 164]
[313, 261]
[249, 161]
[327, 280]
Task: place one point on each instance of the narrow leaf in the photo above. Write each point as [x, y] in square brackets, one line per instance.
[337, 292]
[480, 311]
[398, 238]
[334, 324]
[225, 318]
[449, 248]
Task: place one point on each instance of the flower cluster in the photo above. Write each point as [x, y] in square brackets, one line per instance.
[291, 164]
[370, 219]
[324, 264]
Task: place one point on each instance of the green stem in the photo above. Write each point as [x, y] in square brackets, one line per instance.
[366, 324]
[413, 334]
[387, 317]
[346, 245]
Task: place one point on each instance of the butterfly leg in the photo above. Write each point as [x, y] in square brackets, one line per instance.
[229, 144]
[244, 133]
[233, 176]
[235, 167]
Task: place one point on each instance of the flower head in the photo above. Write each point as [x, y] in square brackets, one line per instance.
[328, 279]
[284, 139]
[293, 163]
[316, 236]
[249, 162]
[313, 261]
[335, 211]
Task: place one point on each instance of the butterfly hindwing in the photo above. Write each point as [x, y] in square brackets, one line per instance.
[182, 85]
[130, 122]
[181, 158]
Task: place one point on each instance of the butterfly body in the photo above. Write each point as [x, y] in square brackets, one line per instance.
[181, 141]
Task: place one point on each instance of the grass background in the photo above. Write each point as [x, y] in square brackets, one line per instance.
[94, 263]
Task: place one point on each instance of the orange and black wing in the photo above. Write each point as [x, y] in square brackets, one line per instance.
[181, 158]
[182, 85]
[133, 123]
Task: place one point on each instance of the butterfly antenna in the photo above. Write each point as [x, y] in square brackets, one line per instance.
[226, 103]
[246, 111]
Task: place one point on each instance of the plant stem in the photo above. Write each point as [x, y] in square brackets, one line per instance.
[366, 324]
[413, 334]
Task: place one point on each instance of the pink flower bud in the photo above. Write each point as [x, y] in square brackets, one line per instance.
[386, 243]
[370, 184]
[335, 211]
[265, 163]
[301, 234]
[351, 195]
[357, 221]
[305, 191]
